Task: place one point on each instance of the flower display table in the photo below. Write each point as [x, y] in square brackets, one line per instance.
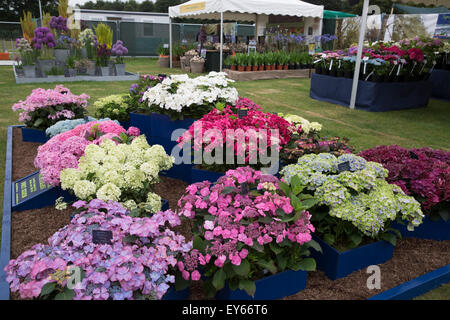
[371, 96]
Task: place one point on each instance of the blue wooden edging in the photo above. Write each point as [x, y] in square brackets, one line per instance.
[34, 135]
[273, 287]
[417, 286]
[433, 230]
[6, 223]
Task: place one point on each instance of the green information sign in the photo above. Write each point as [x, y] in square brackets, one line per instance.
[28, 187]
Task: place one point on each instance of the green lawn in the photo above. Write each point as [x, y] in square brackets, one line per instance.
[411, 128]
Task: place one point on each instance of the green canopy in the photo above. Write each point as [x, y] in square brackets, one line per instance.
[416, 10]
[329, 14]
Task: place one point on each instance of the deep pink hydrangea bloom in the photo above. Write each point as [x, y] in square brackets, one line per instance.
[232, 224]
[423, 173]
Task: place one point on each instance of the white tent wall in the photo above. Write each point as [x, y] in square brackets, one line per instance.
[242, 10]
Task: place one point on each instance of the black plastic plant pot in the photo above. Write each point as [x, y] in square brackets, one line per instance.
[318, 69]
[332, 73]
[339, 73]
[348, 74]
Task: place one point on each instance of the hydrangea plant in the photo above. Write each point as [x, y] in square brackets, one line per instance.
[423, 173]
[119, 172]
[114, 107]
[137, 90]
[66, 125]
[356, 203]
[246, 226]
[43, 108]
[139, 263]
[179, 96]
[63, 150]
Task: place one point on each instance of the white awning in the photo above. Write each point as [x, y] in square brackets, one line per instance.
[243, 10]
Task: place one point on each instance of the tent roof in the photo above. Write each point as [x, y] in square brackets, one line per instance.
[330, 14]
[244, 10]
[416, 10]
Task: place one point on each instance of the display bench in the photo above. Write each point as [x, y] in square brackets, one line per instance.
[371, 96]
[127, 77]
[267, 74]
[440, 80]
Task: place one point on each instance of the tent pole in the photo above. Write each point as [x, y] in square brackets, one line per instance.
[170, 42]
[221, 41]
[362, 32]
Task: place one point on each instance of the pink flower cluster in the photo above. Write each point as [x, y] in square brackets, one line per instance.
[63, 150]
[217, 125]
[232, 224]
[141, 259]
[50, 99]
[423, 173]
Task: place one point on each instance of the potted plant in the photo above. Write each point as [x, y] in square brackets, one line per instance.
[355, 209]
[228, 61]
[103, 56]
[119, 50]
[164, 56]
[197, 64]
[82, 65]
[43, 108]
[44, 41]
[88, 39]
[248, 62]
[241, 61]
[70, 62]
[104, 36]
[420, 172]
[59, 26]
[260, 60]
[27, 57]
[239, 253]
[268, 61]
[114, 107]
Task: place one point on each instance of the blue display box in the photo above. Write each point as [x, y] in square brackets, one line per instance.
[273, 287]
[178, 171]
[125, 124]
[371, 96]
[34, 135]
[172, 294]
[433, 230]
[162, 126]
[440, 80]
[337, 264]
[143, 122]
[200, 175]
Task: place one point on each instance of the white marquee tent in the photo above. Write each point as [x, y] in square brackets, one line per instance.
[240, 10]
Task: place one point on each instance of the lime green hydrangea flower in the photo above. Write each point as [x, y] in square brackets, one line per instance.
[360, 195]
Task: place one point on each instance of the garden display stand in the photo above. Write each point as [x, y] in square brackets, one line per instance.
[407, 290]
[337, 264]
[371, 96]
[273, 287]
[200, 175]
[127, 77]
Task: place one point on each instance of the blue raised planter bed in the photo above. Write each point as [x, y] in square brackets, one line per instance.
[371, 96]
[172, 294]
[178, 171]
[162, 126]
[200, 175]
[433, 230]
[276, 286]
[125, 124]
[143, 122]
[34, 135]
[440, 80]
[337, 264]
